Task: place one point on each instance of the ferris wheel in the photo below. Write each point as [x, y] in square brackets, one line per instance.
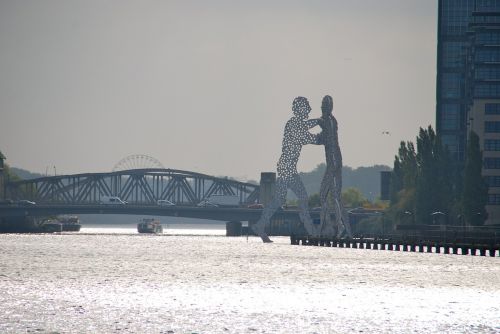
[137, 161]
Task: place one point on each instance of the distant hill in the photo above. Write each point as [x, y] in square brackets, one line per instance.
[366, 179]
[24, 174]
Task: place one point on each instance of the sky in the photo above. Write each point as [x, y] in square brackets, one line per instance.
[207, 86]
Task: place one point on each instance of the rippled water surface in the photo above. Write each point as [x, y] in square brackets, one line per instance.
[128, 283]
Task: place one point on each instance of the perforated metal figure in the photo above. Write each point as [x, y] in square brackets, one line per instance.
[331, 185]
[296, 135]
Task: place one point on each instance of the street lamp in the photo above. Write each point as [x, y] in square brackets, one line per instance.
[409, 214]
[2, 180]
[435, 214]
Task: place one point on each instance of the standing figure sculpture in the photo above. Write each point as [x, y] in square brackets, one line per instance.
[331, 185]
[296, 135]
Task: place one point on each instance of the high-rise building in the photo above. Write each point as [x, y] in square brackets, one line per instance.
[468, 84]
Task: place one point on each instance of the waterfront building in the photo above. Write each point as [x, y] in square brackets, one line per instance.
[468, 85]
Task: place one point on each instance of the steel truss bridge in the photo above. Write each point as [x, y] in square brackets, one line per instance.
[136, 186]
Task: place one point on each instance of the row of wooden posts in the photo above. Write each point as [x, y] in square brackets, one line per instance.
[401, 245]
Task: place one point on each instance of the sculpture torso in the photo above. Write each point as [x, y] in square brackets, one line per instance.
[295, 136]
[331, 141]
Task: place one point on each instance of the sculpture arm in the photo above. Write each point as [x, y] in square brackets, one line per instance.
[316, 139]
[311, 123]
[320, 137]
[312, 139]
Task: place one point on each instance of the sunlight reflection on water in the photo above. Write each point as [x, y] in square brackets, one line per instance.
[168, 229]
[123, 282]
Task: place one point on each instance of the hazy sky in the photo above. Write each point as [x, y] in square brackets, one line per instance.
[207, 86]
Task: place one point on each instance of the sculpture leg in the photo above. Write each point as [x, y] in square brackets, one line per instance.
[326, 226]
[337, 223]
[338, 218]
[278, 200]
[346, 223]
[328, 229]
[300, 191]
[343, 219]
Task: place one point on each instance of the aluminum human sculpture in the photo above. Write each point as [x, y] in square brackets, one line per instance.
[331, 185]
[296, 135]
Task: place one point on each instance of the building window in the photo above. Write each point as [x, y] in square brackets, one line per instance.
[450, 116]
[491, 38]
[455, 16]
[453, 54]
[488, 5]
[451, 142]
[492, 181]
[491, 127]
[493, 199]
[450, 85]
[487, 91]
[492, 163]
[492, 108]
[488, 56]
[492, 145]
[487, 73]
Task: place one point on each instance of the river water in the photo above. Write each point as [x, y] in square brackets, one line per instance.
[195, 280]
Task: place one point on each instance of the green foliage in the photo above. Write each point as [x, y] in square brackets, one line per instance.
[428, 180]
[352, 197]
[8, 176]
[314, 200]
[434, 177]
[422, 182]
[475, 190]
[366, 179]
[370, 226]
[405, 171]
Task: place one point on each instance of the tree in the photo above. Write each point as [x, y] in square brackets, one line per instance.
[433, 191]
[314, 200]
[353, 198]
[404, 171]
[475, 189]
[422, 181]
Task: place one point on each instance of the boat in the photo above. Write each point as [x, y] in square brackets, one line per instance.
[69, 223]
[149, 225]
[50, 226]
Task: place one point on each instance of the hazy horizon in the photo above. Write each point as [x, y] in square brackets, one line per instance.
[208, 87]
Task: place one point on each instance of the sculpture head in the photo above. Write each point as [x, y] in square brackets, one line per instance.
[327, 105]
[301, 107]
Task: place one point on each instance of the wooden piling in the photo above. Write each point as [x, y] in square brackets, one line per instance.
[482, 251]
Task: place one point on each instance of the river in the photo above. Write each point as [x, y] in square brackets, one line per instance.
[192, 279]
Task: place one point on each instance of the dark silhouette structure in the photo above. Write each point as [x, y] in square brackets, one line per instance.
[331, 185]
[295, 136]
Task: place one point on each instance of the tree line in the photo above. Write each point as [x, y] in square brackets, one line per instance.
[429, 186]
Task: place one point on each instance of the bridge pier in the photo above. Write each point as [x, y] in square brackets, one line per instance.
[21, 224]
[267, 185]
[233, 229]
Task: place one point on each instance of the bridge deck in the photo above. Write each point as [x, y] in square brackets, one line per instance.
[211, 213]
